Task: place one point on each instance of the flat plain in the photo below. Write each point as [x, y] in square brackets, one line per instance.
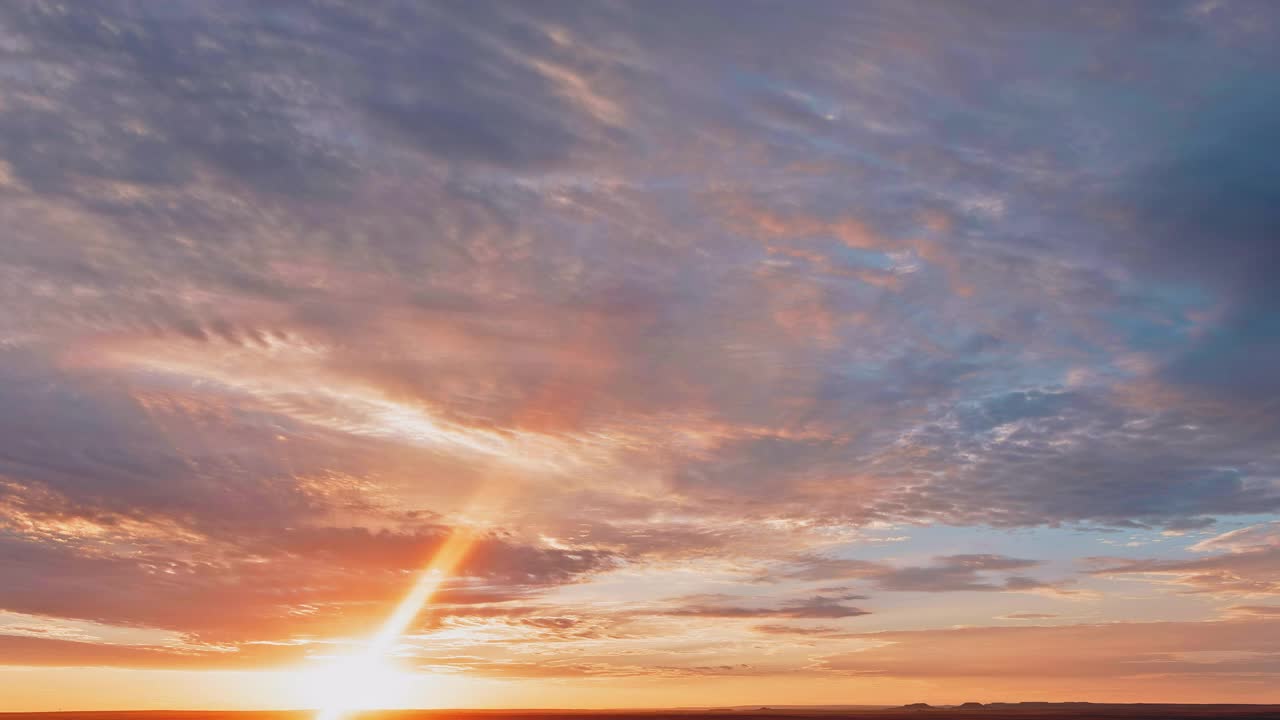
[999, 711]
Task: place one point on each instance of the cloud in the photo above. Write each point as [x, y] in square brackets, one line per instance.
[773, 629]
[1252, 538]
[1249, 567]
[947, 573]
[46, 652]
[1218, 650]
[481, 245]
[815, 607]
[160, 97]
[162, 115]
[1263, 611]
[958, 572]
[270, 586]
[1028, 616]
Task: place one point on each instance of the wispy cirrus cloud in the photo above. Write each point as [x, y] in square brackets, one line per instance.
[1250, 565]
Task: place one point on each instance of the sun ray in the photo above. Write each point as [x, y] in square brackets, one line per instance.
[373, 655]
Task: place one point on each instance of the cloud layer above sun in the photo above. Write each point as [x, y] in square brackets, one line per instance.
[820, 341]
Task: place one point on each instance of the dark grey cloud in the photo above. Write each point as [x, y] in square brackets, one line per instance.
[153, 95]
[817, 607]
[99, 449]
[954, 573]
[295, 99]
[945, 573]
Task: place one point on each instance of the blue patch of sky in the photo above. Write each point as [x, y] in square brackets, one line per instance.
[754, 82]
[1159, 321]
[871, 259]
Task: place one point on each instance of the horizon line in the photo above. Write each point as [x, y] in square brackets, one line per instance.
[747, 708]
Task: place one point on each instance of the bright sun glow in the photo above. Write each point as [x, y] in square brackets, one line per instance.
[358, 683]
[366, 680]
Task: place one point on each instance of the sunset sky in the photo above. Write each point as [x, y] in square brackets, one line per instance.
[660, 353]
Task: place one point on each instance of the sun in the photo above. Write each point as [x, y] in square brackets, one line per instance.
[367, 680]
[356, 683]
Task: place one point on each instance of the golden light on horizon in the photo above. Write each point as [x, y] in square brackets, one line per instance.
[367, 679]
[356, 683]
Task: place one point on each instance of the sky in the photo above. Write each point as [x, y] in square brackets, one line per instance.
[729, 352]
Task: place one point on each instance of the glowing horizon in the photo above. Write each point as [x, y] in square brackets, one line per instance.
[374, 652]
